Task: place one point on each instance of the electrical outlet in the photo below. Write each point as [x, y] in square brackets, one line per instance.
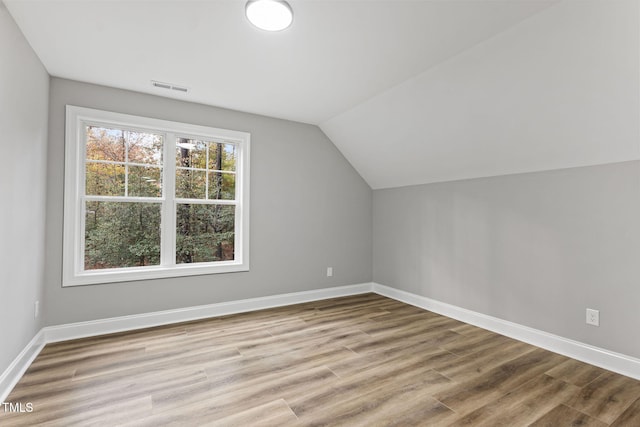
[329, 271]
[593, 317]
[36, 309]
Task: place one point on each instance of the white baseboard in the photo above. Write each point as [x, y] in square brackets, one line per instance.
[16, 370]
[606, 359]
[612, 361]
[146, 320]
[50, 334]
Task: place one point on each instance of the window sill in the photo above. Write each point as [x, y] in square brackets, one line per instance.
[152, 272]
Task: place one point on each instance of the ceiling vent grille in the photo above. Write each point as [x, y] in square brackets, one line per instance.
[169, 86]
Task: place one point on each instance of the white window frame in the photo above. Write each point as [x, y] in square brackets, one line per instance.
[73, 236]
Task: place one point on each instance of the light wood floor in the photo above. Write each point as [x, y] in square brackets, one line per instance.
[357, 361]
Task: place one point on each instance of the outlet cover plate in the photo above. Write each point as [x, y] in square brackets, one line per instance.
[593, 317]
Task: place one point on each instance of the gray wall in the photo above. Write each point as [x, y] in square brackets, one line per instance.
[536, 249]
[24, 89]
[309, 210]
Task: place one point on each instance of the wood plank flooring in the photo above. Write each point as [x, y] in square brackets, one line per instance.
[363, 360]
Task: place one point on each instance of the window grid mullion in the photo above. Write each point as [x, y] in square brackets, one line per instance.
[195, 169]
[206, 173]
[126, 165]
[207, 202]
[130, 199]
[74, 230]
[82, 204]
[114, 162]
[168, 231]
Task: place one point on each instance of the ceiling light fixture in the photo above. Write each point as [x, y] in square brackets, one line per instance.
[269, 15]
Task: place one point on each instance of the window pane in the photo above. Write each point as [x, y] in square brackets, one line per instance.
[190, 184]
[104, 179]
[144, 181]
[144, 147]
[204, 233]
[222, 186]
[222, 156]
[105, 144]
[121, 234]
[229, 157]
[191, 153]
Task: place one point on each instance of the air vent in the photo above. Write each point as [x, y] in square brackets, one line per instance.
[169, 86]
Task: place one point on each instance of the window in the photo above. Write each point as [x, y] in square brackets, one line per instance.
[148, 198]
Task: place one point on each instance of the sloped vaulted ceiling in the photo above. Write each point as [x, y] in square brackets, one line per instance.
[560, 89]
[410, 91]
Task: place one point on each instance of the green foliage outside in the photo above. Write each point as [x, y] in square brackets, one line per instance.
[121, 234]
[127, 234]
[204, 233]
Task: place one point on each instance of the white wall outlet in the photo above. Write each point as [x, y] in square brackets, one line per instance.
[329, 271]
[593, 317]
[36, 309]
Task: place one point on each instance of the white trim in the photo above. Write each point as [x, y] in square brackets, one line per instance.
[18, 367]
[157, 271]
[73, 270]
[616, 362]
[158, 318]
[50, 334]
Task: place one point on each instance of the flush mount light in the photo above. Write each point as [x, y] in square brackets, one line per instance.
[269, 15]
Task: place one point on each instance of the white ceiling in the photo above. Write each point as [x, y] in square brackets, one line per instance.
[392, 83]
[561, 89]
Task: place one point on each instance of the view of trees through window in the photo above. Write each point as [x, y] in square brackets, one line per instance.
[124, 199]
[205, 175]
